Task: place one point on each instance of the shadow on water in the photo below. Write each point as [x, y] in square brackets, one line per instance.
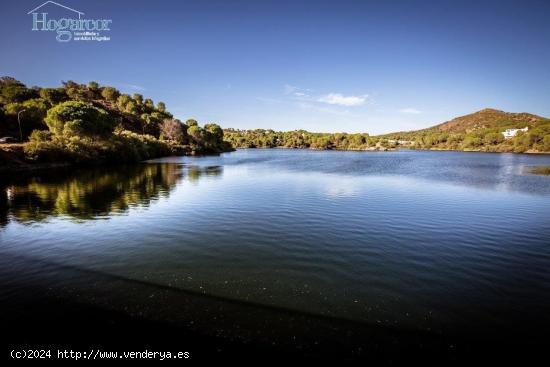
[69, 301]
[87, 194]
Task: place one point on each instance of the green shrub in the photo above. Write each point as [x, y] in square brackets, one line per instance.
[79, 118]
[43, 147]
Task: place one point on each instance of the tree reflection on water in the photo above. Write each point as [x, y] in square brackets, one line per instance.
[92, 193]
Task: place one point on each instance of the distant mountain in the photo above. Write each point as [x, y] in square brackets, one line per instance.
[485, 119]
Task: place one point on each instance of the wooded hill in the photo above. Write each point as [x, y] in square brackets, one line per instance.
[483, 131]
[93, 123]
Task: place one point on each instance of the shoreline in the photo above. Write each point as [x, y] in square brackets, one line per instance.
[13, 160]
[16, 161]
[396, 150]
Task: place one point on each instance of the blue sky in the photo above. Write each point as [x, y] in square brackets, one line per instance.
[356, 66]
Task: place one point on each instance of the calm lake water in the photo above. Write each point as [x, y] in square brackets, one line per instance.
[426, 240]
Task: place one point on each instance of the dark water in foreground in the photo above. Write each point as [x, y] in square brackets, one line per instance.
[423, 240]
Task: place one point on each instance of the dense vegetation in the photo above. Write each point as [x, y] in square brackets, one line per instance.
[480, 131]
[93, 123]
[260, 138]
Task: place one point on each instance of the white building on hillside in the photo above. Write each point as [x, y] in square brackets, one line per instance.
[400, 142]
[510, 133]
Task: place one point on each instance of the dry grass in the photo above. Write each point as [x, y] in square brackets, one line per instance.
[11, 146]
[541, 170]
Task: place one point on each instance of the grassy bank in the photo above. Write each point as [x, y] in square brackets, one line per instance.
[122, 149]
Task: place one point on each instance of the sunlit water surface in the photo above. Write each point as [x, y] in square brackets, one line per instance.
[419, 239]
